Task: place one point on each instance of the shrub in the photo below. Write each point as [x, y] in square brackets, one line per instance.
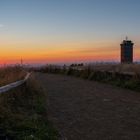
[23, 114]
[11, 74]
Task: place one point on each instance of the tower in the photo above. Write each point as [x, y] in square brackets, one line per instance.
[127, 51]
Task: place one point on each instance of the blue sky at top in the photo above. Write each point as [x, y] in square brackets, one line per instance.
[63, 22]
[95, 18]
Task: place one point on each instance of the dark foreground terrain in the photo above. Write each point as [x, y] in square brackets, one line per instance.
[23, 114]
[87, 110]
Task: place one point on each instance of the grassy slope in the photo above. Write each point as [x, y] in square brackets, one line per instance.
[101, 73]
[23, 114]
[7, 74]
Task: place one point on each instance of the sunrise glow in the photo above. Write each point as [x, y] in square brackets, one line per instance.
[46, 31]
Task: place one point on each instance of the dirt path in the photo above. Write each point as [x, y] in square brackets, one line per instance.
[87, 110]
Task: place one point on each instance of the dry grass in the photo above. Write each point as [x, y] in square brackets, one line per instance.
[11, 74]
[122, 75]
[23, 114]
[134, 68]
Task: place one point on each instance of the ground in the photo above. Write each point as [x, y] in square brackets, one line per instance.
[88, 110]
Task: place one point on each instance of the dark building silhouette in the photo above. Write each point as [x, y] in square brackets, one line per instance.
[127, 51]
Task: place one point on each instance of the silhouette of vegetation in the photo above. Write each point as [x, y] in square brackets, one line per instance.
[126, 76]
[23, 114]
[11, 74]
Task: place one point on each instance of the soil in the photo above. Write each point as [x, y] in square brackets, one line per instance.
[88, 110]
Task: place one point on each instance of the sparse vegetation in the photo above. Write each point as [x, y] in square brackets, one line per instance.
[125, 75]
[23, 114]
[11, 74]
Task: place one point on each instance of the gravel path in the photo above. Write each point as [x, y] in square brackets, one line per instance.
[88, 110]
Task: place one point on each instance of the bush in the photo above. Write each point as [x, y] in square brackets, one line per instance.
[115, 77]
[23, 114]
[11, 74]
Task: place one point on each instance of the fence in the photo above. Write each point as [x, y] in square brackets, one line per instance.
[14, 84]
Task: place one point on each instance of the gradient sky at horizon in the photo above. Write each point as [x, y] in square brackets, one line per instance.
[67, 30]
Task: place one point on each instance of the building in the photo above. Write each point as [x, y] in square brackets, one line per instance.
[127, 51]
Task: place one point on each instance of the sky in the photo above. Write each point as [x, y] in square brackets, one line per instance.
[54, 31]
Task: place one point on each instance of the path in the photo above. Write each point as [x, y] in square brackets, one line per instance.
[87, 110]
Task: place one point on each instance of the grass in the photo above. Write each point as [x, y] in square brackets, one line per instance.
[116, 67]
[11, 74]
[23, 114]
[122, 75]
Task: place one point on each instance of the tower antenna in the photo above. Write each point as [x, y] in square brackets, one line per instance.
[126, 38]
[21, 61]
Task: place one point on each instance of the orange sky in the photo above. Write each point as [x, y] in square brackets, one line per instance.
[62, 52]
[40, 31]
[44, 51]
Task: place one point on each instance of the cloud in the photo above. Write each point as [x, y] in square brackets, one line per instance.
[1, 25]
